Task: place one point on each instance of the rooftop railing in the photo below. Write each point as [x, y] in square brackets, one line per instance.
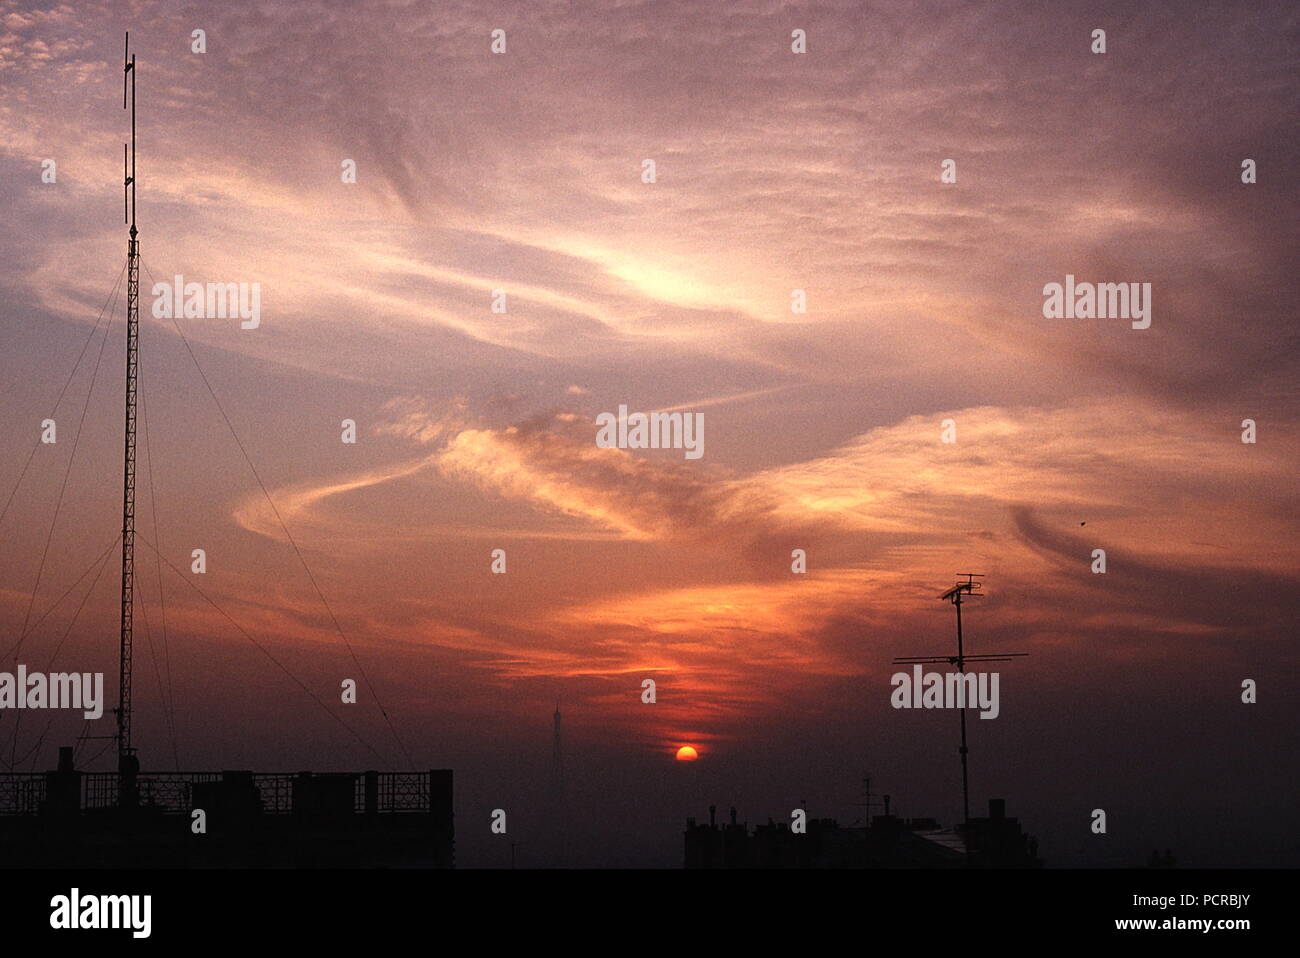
[277, 793]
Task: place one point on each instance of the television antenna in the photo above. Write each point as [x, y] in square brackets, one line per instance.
[971, 589]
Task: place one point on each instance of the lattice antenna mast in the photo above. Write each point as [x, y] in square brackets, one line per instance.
[971, 589]
[127, 762]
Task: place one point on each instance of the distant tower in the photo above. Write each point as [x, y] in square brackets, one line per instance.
[557, 756]
[559, 816]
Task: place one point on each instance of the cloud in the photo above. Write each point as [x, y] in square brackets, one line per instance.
[776, 172]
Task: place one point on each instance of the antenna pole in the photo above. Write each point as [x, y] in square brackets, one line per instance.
[128, 765]
[954, 595]
[961, 667]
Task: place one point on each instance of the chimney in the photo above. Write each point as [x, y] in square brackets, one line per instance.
[733, 814]
[997, 808]
[713, 815]
[65, 758]
[886, 806]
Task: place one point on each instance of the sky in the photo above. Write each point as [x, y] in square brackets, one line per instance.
[775, 171]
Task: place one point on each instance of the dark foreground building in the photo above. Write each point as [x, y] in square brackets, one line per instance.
[69, 818]
[888, 842]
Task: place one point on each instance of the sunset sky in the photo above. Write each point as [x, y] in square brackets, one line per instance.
[476, 430]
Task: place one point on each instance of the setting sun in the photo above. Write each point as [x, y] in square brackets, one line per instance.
[687, 754]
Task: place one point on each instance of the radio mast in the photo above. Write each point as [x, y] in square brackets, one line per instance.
[127, 762]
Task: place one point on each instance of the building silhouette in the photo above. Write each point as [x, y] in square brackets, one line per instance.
[887, 842]
[71, 818]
